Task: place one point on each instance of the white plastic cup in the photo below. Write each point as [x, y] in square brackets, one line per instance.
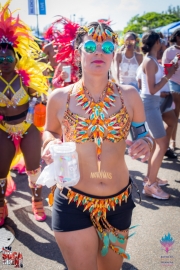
[67, 69]
[66, 165]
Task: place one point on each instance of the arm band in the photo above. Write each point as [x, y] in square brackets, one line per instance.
[138, 130]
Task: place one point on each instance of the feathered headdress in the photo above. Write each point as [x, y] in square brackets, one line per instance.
[64, 40]
[16, 33]
[31, 73]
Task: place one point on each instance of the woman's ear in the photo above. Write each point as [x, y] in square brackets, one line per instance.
[77, 54]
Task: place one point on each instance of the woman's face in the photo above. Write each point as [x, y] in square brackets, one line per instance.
[97, 63]
[7, 61]
[129, 42]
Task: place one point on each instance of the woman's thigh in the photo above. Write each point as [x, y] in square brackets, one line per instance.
[111, 260]
[79, 248]
[7, 152]
[169, 118]
[31, 148]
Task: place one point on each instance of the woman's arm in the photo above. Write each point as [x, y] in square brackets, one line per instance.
[140, 147]
[150, 69]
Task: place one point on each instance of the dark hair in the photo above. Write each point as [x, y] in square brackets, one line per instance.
[149, 39]
[82, 31]
[174, 35]
[130, 34]
[7, 46]
[161, 35]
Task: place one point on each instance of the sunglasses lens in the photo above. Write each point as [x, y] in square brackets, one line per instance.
[10, 59]
[108, 47]
[90, 46]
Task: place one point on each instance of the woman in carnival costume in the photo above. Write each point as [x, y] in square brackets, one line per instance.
[91, 220]
[19, 81]
[64, 42]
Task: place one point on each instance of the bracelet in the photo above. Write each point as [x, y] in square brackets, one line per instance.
[165, 77]
[149, 141]
[47, 141]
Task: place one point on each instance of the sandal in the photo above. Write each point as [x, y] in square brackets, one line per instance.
[38, 210]
[3, 213]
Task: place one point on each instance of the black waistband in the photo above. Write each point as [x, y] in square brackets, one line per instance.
[64, 191]
[15, 117]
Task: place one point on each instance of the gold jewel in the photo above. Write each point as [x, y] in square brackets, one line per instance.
[101, 175]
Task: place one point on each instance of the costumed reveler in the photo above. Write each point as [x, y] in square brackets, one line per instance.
[64, 43]
[21, 78]
[97, 115]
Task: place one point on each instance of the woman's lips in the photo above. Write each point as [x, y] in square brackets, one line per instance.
[98, 62]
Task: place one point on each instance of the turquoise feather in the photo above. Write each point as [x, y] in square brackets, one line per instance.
[104, 251]
[106, 240]
[91, 30]
[112, 237]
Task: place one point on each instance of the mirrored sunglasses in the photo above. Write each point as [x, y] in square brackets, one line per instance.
[8, 59]
[90, 46]
[130, 42]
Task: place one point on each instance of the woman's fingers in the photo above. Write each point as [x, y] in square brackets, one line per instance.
[138, 149]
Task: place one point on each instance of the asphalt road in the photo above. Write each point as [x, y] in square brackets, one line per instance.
[155, 219]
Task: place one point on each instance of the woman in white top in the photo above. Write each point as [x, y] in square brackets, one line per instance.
[153, 79]
[174, 82]
[127, 61]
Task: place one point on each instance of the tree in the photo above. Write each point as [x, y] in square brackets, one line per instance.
[150, 20]
[174, 10]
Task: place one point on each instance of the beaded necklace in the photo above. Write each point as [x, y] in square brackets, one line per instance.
[96, 122]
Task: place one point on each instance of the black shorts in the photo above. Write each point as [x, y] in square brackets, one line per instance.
[68, 217]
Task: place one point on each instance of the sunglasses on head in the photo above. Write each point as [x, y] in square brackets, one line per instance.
[90, 46]
[8, 59]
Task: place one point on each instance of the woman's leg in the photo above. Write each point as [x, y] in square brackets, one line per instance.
[111, 260]
[7, 152]
[31, 149]
[151, 188]
[176, 98]
[170, 119]
[79, 248]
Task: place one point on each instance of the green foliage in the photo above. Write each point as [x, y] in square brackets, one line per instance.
[150, 20]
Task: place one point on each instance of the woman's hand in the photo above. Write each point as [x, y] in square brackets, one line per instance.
[46, 155]
[172, 70]
[138, 149]
[64, 75]
[164, 94]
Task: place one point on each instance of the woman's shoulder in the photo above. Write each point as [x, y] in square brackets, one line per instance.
[60, 94]
[128, 92]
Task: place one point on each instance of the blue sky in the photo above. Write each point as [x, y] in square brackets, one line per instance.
[119, 11]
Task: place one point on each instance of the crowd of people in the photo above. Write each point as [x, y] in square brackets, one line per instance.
[100, 93]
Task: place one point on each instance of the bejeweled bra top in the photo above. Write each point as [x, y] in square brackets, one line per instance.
[19, 98]
[77, 129]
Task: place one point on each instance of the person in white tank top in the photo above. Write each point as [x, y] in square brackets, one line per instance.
[153, 80]
[126, 62]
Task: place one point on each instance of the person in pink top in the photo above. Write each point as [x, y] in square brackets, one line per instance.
[174, 81]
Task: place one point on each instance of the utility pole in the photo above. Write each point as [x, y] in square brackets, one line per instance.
[37, 16]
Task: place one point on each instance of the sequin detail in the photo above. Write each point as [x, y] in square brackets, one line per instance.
[19, 98]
